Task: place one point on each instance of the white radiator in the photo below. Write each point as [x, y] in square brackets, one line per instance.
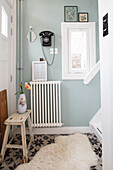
[46, 104]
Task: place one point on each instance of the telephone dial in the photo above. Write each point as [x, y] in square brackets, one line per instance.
[46, 41]
[46, 37]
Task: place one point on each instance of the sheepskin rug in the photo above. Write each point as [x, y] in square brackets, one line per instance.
[71, 152]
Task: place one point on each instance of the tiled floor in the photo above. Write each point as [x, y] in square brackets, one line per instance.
[13, 157]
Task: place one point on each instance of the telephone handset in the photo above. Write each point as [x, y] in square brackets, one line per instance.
[46, 37]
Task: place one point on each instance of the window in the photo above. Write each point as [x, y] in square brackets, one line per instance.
[78, 49]
[4, 23]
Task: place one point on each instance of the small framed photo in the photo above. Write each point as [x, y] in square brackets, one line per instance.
[70, 13]
[83, 17]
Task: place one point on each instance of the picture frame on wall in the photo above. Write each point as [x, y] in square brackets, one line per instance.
[70, 13]
[83, 16]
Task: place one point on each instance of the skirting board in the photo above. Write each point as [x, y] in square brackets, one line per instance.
[60, 130]
[93, 130]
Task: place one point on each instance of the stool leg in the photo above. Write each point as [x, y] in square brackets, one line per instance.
[30, 127]
[24, 143]
[14, 131]
[4, 143]
[31, 132]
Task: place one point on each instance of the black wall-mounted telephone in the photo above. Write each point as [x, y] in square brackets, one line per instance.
[46, 37]
[46, 41]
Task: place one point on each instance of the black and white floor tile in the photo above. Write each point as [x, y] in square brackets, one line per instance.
[13, 157]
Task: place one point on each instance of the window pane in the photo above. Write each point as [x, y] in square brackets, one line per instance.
[78, 50]
[4, 24]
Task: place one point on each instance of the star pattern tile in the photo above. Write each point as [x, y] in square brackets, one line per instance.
[13, 157]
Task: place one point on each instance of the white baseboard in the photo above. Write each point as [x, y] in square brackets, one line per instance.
[94, 130]
[59, 130]
[95, 125]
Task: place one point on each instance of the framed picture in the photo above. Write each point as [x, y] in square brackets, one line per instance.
[70, 13]
[83, 17]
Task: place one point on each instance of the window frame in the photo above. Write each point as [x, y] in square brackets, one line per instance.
[5, 37]
[65, 27]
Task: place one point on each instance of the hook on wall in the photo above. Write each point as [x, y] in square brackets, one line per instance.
[31, 36]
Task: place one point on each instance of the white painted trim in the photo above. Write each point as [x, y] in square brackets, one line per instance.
[96, 123]
[92, 73]
[97, 118]
[13, 53]
[94, 130]
[61, 130]
[90, 26]
[73, 76]
[10, 3]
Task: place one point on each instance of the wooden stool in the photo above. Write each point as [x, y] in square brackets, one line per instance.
[14, 120]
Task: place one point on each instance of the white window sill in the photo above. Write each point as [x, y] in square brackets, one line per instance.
[73, 76]
[85, 77]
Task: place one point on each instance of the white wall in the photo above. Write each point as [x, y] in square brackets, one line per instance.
[106, 54]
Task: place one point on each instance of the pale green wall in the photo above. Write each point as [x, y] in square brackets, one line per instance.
[79, 102]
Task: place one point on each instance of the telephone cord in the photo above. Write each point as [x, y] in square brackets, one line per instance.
[49, 64]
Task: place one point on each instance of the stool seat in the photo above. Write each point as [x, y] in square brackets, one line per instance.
[17, 118]
[14, 120]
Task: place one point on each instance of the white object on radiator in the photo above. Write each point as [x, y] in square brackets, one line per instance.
[39, 71]
[46, 104]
